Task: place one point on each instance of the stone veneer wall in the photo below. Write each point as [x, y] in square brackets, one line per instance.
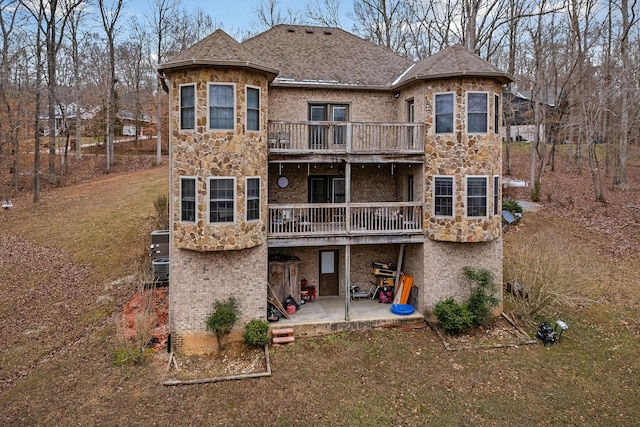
[198, 279]
[210, 262]
[203, 153]
[461, 155]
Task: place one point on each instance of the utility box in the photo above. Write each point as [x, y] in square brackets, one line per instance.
[159, 244]
[160, 267]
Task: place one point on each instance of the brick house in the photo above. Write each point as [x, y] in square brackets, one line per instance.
[309, 153]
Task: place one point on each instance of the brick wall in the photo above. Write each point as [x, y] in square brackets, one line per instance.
[199, 279]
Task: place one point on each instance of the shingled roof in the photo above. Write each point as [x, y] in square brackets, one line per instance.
[330, 57]
[307, 55]
[217, 49]
[452, 61]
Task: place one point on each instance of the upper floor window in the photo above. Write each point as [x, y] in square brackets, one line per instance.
[496, 194]
[319, 136]
[476, 196]
[188, 199]
[496, 114]
[443, 196]
[253, 198]
[188, 107]
[477, 112]
[222, 199]
[444, 113]
[253, 108]
[221, 106]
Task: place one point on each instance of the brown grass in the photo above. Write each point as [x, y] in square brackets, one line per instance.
[60, 257]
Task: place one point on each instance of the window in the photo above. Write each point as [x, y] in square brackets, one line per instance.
[496, 194]
[253, 108]
[253, 199]
[188, 107]
[443, 196]
[221, 199]
[221, 107]
[496, 114]
[476, 112]
[476, 196]
[411, 118]
[444, 113]
[187, 199]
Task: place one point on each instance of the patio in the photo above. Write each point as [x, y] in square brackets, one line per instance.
[327, 316]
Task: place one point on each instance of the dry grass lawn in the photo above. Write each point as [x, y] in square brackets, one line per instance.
[62, 257]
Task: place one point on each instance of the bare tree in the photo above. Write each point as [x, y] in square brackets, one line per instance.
[110, 14]
[162, 14]
[325, 13]
[381, 21]
[269, 15]
[75, 35]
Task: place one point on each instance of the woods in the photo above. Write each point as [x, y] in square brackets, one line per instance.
[71, 70]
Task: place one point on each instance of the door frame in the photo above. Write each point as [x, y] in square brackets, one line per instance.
[335, 285]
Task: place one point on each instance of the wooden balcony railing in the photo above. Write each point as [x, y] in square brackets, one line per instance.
[307, 220]
[349, 137]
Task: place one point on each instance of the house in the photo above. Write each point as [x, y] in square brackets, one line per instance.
[520, 108]
[305, 154]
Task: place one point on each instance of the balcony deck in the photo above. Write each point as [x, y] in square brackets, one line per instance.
[345, 137]
[345, 220]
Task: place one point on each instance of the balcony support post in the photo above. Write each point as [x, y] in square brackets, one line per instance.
[347, 281]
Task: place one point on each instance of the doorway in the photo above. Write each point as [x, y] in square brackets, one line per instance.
[329, 279]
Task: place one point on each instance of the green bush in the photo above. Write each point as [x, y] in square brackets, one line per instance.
[483, 291]
[256, 333]
[455, 318]
[221, 321]
[511, 205]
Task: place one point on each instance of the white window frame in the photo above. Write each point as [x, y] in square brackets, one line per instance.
[210, 200]
[233, 114]
[486, 113]
[496, 194]
[466, 196]
[435, 113]
[247, 199]
[195, 103]
[246, 91]
[453, 196]
[195, 199]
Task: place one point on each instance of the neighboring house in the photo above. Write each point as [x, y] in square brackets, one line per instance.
[522, 117]
[314, 146]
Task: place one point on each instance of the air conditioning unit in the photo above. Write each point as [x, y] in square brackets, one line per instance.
[160, 268]
[159, 244]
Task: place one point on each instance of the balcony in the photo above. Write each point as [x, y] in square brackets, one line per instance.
[340, 219]
[345, 137]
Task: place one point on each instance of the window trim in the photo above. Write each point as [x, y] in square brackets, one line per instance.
[247, 199]
[233, 114]
[486, 112]
[180, 106]
[496, 194]
[435, 113]
[247, 109]
[496, 113]
[195, 199]
[210, 200]
[453, 195]
[486, 196]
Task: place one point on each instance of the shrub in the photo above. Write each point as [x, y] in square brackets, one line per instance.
[455, 318]
[161, 206]
[256, 333]
[546, 276]
[483, 291]
[511, 205]
[221, 321]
